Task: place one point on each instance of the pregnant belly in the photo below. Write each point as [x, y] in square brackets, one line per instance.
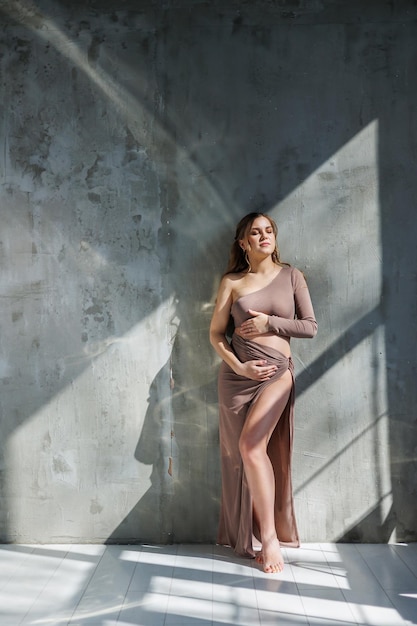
[274, 341]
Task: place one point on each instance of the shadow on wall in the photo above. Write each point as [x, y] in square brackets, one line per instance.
[154, 448]
[238, 117]
[182, 456]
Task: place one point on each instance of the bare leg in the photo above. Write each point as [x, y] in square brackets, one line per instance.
[253, 443]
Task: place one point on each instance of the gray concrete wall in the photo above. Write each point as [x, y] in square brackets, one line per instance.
[134, 136]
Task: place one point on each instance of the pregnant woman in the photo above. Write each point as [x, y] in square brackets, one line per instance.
[269, 302]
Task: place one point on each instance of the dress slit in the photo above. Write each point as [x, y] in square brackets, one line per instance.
[237, 525]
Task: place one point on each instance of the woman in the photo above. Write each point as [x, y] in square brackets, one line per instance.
[269, 302]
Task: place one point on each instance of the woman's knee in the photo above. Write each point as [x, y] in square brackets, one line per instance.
[250, 448]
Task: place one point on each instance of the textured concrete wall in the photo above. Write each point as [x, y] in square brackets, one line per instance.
[134, 136]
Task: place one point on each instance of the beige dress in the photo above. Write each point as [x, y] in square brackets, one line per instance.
[287, 301]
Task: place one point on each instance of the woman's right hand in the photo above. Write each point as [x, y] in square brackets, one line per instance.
[257, 370]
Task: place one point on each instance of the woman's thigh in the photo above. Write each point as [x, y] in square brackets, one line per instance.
[265, 412]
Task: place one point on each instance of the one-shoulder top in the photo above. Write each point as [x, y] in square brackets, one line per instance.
[286, 300]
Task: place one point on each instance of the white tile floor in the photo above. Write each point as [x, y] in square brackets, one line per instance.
[322, 585]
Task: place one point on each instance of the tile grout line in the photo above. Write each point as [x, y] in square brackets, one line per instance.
[324, 559]
[404, 562]
[19, 566]
[86, 586]
[300, 597]
[45, 585]
[130, 582]
[171, 582]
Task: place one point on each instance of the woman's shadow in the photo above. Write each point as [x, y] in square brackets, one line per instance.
[179, 440]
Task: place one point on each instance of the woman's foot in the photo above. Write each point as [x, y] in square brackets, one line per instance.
[270, 557]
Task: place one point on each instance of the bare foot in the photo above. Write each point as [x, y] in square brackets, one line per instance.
[270, 557]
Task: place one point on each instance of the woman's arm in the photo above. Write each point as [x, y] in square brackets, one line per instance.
[305, 324]
[219, 323]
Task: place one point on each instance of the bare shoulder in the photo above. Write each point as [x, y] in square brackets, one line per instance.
[231, 281]
[229, 285]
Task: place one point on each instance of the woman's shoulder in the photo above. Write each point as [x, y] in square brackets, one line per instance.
[229, 282]
[233, 277]
[298, 278]
[290, 270]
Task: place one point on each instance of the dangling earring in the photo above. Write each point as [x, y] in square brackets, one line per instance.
[247, 260]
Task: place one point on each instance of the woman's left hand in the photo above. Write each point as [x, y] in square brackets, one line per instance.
[258, 324]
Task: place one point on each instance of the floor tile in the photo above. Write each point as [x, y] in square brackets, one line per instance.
[144, 608]
[272, 618]
[405, 605]
[311, 569]
[351, 571]
[408, 554]
[183, 609]
[380, 613]
[387, 567]
[325, 604]
[314, 621]
[281, 602]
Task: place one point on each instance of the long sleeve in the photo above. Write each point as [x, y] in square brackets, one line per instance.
[304, 325]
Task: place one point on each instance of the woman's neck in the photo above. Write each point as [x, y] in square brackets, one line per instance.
[263, 266]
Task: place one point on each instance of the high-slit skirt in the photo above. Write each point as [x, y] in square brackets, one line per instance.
[237, 525]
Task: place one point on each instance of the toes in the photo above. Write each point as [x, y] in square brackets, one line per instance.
[271, 569]
[275, 568]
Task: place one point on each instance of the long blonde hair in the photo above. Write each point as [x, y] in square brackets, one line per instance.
[238, 261]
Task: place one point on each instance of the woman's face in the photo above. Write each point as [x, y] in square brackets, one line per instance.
[260, 237]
